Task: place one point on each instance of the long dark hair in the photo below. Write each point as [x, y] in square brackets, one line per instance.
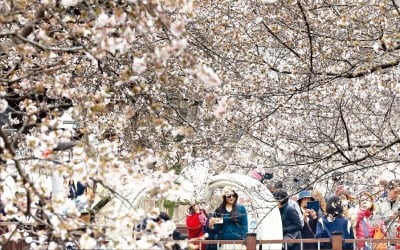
[192, 211]
[221, 210]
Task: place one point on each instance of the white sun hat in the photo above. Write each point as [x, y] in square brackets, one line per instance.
[227, 190]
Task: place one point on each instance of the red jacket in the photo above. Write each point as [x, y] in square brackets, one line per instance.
[195, 226]
[363, 225]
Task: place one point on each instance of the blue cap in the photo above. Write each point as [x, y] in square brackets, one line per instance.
[305, 194]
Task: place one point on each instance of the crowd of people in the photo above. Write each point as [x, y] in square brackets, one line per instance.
[355, 216]
[307, 215]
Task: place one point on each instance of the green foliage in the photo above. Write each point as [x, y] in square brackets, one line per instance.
[169, 206]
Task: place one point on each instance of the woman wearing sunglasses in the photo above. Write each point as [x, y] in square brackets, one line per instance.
[229, 222]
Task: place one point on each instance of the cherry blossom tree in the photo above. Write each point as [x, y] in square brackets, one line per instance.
[312, 85]
[304, 89]
[120, 66]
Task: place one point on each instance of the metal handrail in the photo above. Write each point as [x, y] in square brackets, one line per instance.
[336, 240]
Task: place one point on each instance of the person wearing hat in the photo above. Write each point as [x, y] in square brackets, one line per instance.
[291, 224]
[310, 219]
[229, 221]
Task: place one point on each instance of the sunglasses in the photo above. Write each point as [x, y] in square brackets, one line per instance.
[229, 196]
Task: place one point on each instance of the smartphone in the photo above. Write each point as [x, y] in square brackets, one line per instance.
[313, 205]
[219, 220]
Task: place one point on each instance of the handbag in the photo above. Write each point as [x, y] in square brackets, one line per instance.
[379, 235]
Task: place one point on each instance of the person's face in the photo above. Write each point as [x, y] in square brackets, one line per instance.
[303, 202]
[21, 202]
[365, 202]
[345, 202]
[196, 209]
[230, 198]
[393, 194]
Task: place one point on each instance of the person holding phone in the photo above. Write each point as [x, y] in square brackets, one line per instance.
[309, 208]
[229, 222]
[318, 196]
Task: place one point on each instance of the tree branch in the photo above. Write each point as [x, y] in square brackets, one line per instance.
[344, 125]
[28, 29]
[396, 6]
[309, 35]
[31, 74]
[279, 40]
[368, 155]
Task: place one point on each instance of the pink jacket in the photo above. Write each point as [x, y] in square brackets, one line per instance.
[363, 216]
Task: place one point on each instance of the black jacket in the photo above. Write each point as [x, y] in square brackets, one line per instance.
[308, 232]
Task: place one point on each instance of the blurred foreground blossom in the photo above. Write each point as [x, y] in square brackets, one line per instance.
[3, 105]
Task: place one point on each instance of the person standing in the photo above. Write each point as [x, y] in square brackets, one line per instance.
[310, 219]
[195, 223]
[318, 196]
[291, 224]
[363, 227]
[334, 221]
[387, 209]
[293, 202]
[229, 221]
[348, 201]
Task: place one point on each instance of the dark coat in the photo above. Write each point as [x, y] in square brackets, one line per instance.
[230, 229]
[325, 228]
[290, 220]
[291, 223]
[308, 232]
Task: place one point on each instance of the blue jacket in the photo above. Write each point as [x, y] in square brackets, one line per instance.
[232, 230]
[339, 224]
